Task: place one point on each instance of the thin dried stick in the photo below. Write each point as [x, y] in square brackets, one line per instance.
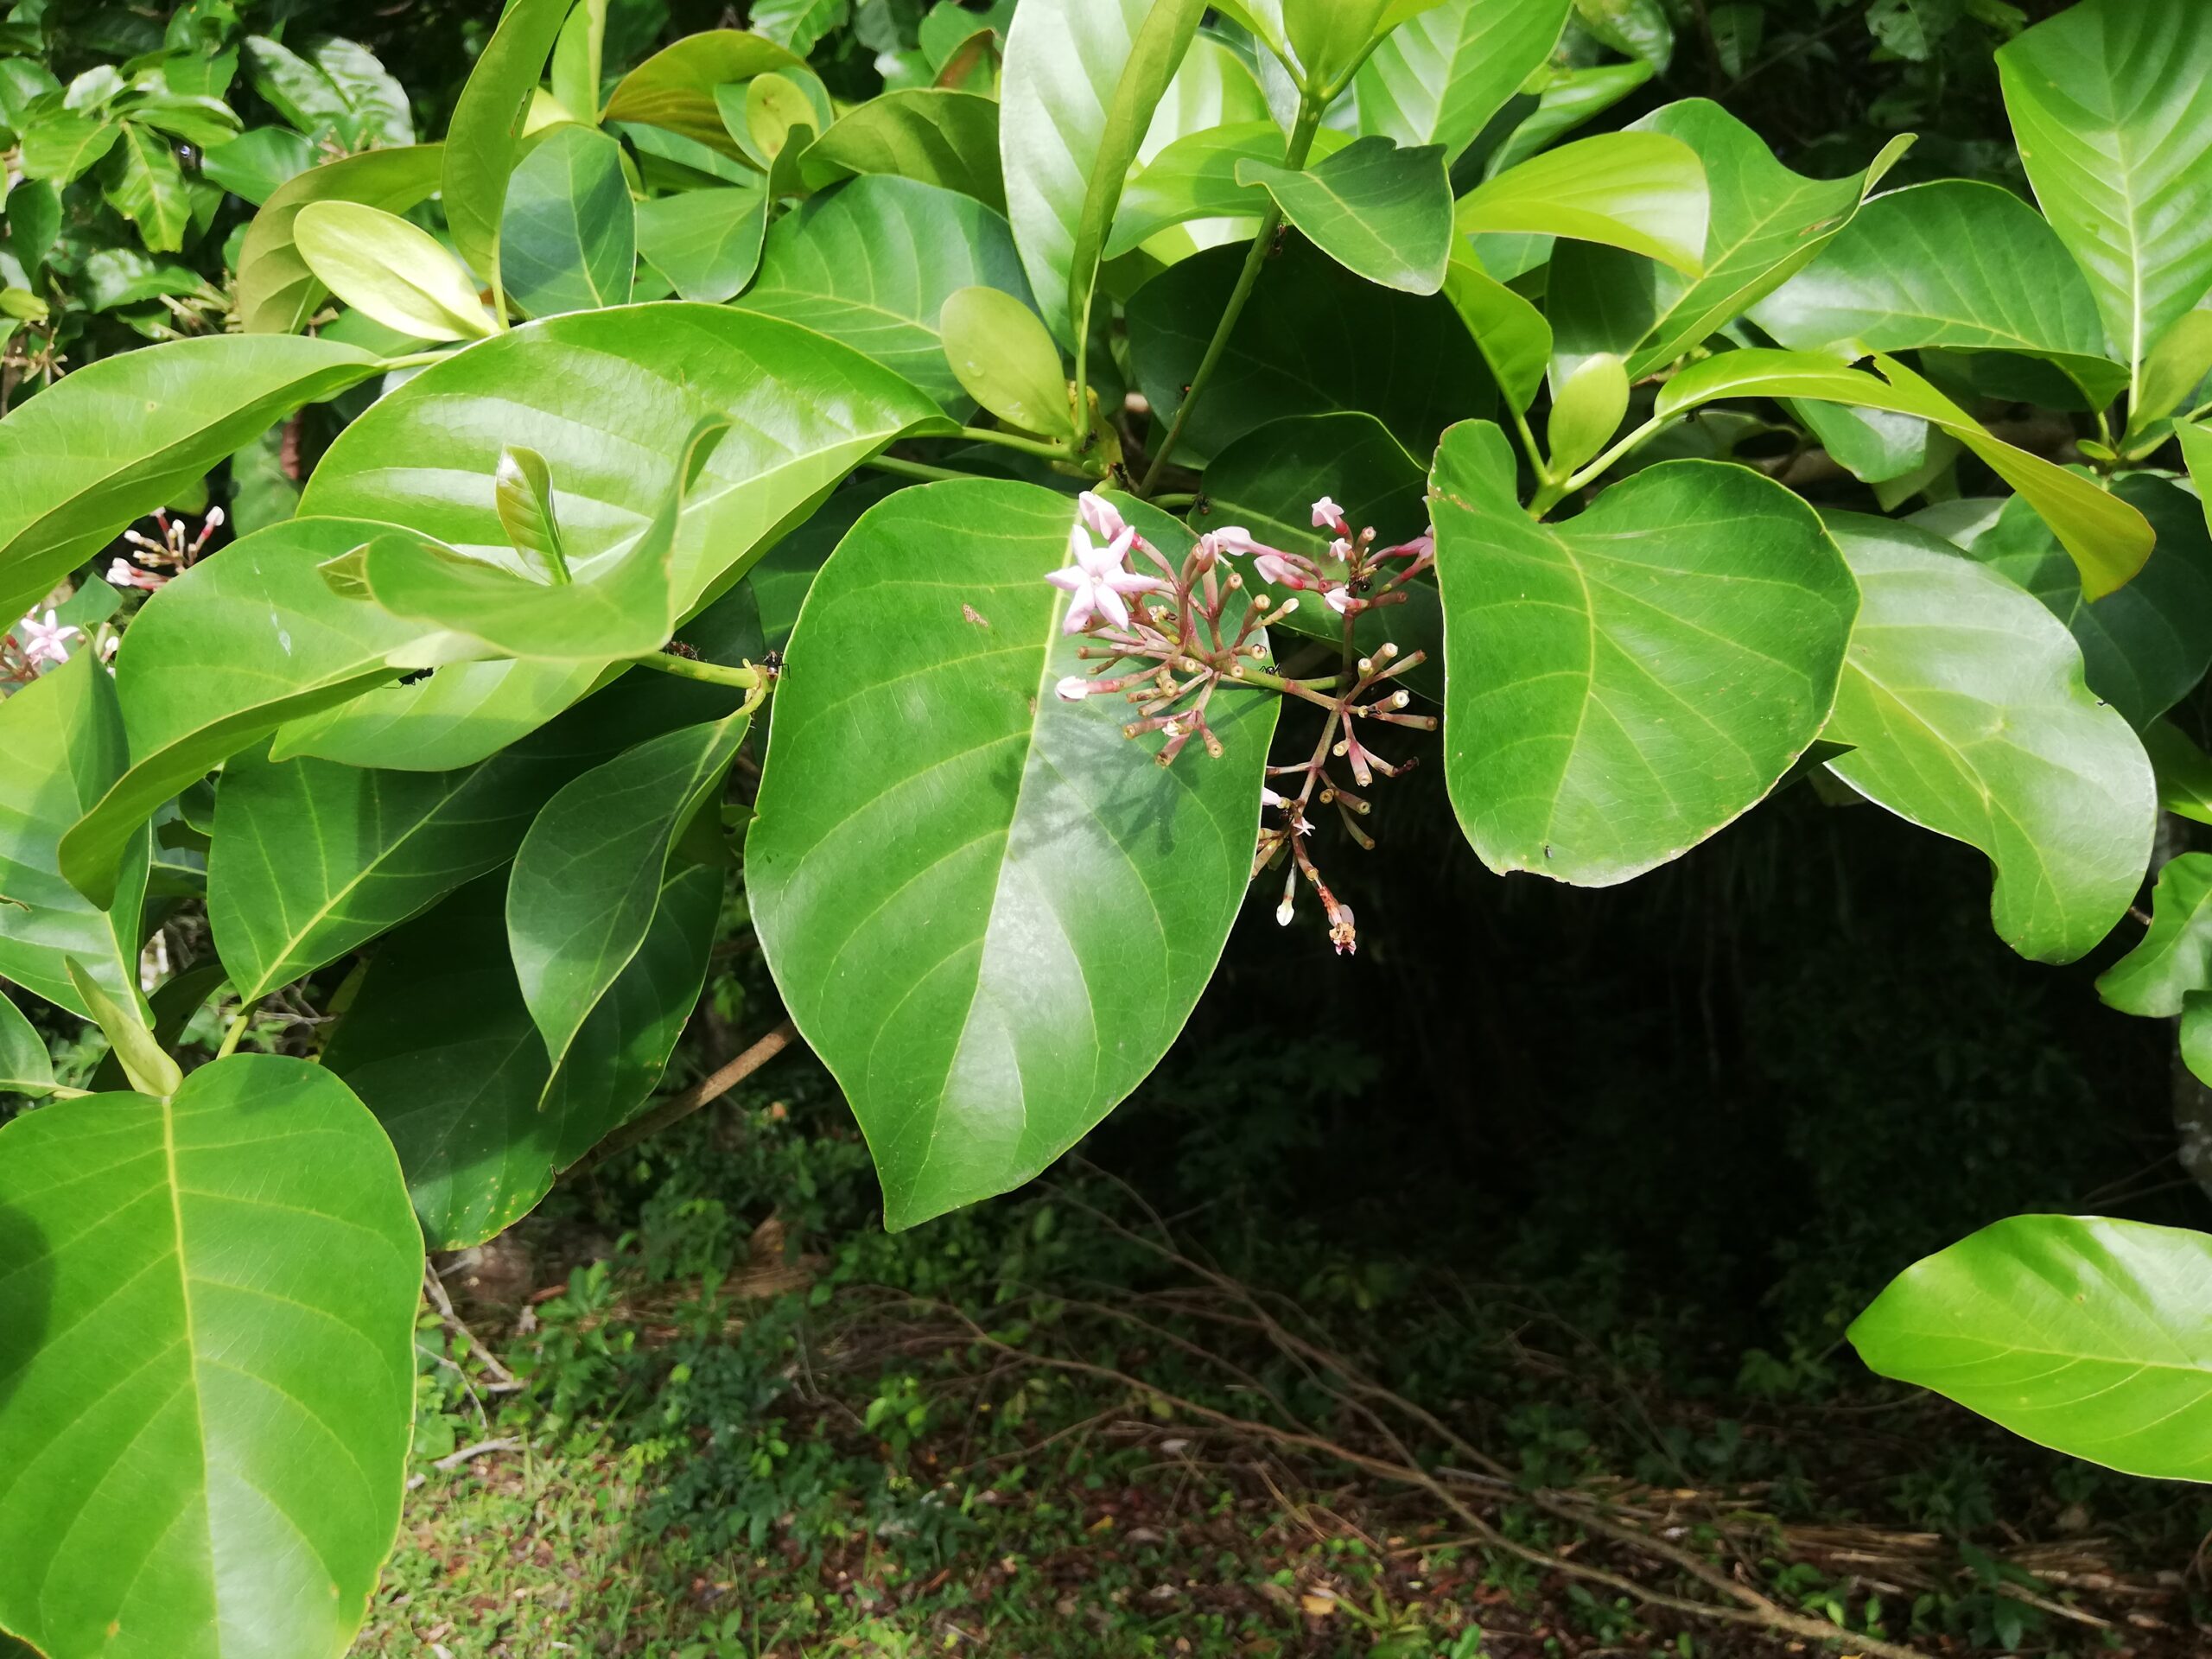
[704, 1093]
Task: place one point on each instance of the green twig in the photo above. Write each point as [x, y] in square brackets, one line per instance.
[1010, 440]
[914, 469]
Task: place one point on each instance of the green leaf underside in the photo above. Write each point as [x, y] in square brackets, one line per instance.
[2080, 1333]
[1626, 683]
[441, 1045]
[2173, 959]
[675, 88]
[278, 293]
[62, 744]
[987, 981]
[1965, 708]
[207, 1326]
[589, 873]
[114, 439]
[871, 265]
[1381, 212]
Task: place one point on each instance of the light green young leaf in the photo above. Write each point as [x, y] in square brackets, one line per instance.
[1570, 98]
[952, 975]
[1967, 713]
[1638, 28]
[568, 238]
[2174, 956]
[1586, 412]
[1081, 82]
[1644, 192]
[1893, 280]
[577, 56]
[1510, 331]
[2112, 104]
[483, 138]
[24, 1067]
[2109, 540]
[1329, 37]
[2079, 1333]
[766, 115]
[931, 135]
[522, 491]
[1621, 686]
[278, 293]
[1195, 177]
[148, 1067]
[2175, 368]
[1381, 212]
[589, 877]
[1003, 354]
[240, 1268]
[872, 264]
[392, 270]
[1440, 78]
[143, 182]
[674, 89]
[62, 744]
[707, 243]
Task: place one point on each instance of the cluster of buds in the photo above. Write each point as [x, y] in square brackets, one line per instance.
[155, 562]
[1175, 627]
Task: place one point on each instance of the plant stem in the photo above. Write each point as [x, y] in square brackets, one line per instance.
[705, 1093]
[1174, 503]
[1010, 440]
[1553, 494]
[1300, 145]
[236, 1033]
[916, 469]
[748, 678]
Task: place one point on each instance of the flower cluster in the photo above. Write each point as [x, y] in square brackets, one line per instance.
[1176, 627]
[156, 561]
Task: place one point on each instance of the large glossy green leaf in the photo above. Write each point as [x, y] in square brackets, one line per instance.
[1767, 224]
[1439, 77]
[440, 1043]
[1644, 192]
[462, 713]
[2146, 647]
[1966, 712]
[2109, 540]
[707, 243]
[208, 1328]
[1081, 82]
[483, 140]
[931, 135]
[675, 88]
[1958, 264]
[62, 744]
[1314, 337]
[391, 270]
[1381, 212]
[218, 660]
[278, 293]
[2080, 1333]
[872, 263]
[1623, 685]
[567, 236]
[112, 441]
[1267, 480]
[2112, 104]
[2174, 956]
[988, 912]
[589, 877]
[24, 1067]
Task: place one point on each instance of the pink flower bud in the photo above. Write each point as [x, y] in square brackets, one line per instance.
[1074, 688]
[1100, 515]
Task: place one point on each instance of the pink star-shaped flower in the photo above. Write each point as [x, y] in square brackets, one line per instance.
[1098, 578]
[1327, 515]
[1100, 516]
[46, 641]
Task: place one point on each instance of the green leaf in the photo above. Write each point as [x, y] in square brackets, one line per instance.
[707, 243]
[1767, 224]
[390, 270]
[147, 1068]
[144, 184]
[2171, 373]
[278, 293]
[1215, 86]
[59, 148]
[1585, 413]
[2079, 1333]
[675, 88]
[462, 713]
[1440, 77]
[1081, 82]
[34, 223]
[2109, 540]
[872, 264]
[25, 1067]
[1510, 333]
[568, 240]
[1381, 212]
[1621, 686]
[1892, 280]
[798, 23]
[218, 659]
[239, 1270]
[522, 492]
[1644, 192]
[589, 875]
[1331, 36]
[930, 135]
[987, 980]
[624, 604]
[255, 165]
[2146, 647]
[1002, 355]
[62, 743]
[483, 140]
[1267, 482]
[1636, 29]
[203, 122]
[1313, 338]
[578, 62]
[1195, 177]
[439, 1043]
[2174, 956]
[2112, 105]
[2184, 771]
[1967, 713]
[335, 92]
[766, 115]
[1569, 98]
